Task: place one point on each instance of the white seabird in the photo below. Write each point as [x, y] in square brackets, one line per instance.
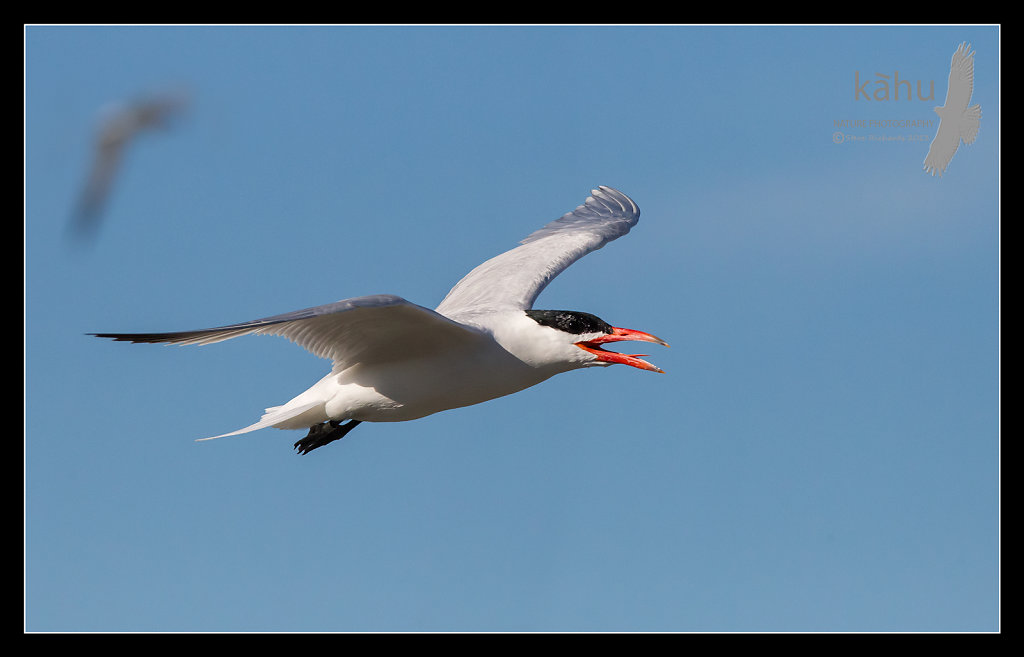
[393, 360]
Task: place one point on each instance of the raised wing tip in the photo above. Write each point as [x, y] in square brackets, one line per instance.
[612, 199]
[605, 206]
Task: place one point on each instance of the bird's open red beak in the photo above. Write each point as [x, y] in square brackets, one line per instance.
[619, 335]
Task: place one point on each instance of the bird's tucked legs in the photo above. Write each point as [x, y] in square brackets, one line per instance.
[323, 433]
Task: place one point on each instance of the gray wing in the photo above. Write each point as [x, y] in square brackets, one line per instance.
[377, 328]
[512, 280]
[105, 164]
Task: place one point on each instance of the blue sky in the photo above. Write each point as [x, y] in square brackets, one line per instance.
[821, 455]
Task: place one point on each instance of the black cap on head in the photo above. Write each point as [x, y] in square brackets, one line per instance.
[570, 321]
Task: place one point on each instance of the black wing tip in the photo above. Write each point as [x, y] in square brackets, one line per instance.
[138, 338]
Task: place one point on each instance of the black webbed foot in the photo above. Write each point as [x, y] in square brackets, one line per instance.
[324, 433]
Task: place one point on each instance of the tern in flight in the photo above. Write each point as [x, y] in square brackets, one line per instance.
[393, 360]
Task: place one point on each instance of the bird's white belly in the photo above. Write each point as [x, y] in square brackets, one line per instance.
[404, 390]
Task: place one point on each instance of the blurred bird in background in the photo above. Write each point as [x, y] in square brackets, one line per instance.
[118, 126]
